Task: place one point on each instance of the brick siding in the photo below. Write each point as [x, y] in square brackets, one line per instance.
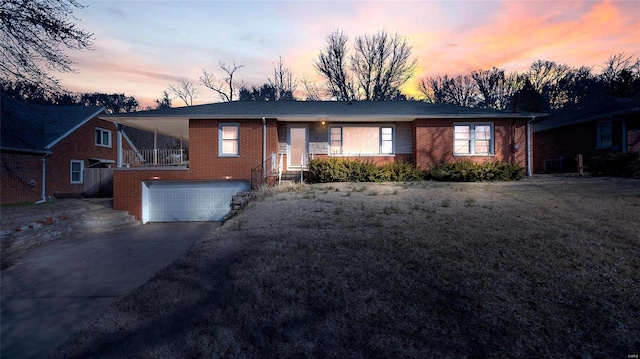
[568, 142]
[204, 162]
[79, 145]
[17, 171]
[433, 141]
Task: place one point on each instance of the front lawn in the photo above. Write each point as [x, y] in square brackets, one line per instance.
[545, 267]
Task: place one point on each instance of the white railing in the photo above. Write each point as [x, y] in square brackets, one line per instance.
[157, 157]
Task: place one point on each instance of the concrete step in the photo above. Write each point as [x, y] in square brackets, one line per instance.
[292, 176]
[106, 227]
[81, 216]
[103, 214]
[103, 220]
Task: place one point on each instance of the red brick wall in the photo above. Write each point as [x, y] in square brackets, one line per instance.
[16, 172]
[433, 141]
[204, 162]
[79, 145]
[127, 186]
[568, 142]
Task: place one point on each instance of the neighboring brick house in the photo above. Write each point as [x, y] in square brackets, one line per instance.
[64, 140]
[598, 128]
[228, 140]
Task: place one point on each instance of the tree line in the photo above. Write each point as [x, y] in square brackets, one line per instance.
[373, 68]
[547, 85]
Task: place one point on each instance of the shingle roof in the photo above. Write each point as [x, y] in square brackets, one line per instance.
[324, 108]
[592, 111]
[31, 127]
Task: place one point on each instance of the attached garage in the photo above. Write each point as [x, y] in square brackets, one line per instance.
[188, 201]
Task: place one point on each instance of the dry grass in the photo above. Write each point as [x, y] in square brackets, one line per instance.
[538, 268]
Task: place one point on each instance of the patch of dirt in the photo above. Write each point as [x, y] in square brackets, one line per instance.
[544, 267]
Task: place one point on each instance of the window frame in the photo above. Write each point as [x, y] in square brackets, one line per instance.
[71, 171]
[221, 139]
[381, 140]
[472, 139]
[599, 143]
[102, 131]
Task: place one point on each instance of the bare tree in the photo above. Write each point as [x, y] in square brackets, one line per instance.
[33, 37]
[311, 89]
[459, 90]
[184, 90]
[619, 63]
[621, 75]
[164, 102]
[545, 77]
[546, 74]
[332, 64]
[381, 64]
[283, 82]
[115, 103]
[432, 89]
[496, 88]
[226, 88]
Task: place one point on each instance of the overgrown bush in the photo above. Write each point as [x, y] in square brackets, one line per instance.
[616, 164]
[467, 171]
[336, 169]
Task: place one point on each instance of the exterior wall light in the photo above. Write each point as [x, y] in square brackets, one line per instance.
[155, 178]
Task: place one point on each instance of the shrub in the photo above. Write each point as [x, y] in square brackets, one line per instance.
[336, 169]
[616, 164]
[467, 171]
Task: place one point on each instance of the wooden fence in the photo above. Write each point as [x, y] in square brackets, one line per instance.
[98, 182]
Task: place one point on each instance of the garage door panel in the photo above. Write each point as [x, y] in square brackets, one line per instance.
[191, 201]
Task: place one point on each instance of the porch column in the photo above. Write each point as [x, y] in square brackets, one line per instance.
[155, 147]
[119, 147]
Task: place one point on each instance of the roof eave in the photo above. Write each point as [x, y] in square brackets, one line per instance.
[587, 119]
[80, 124]
[26, 150]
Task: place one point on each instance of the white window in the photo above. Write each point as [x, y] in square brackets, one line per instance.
[103, 137]
[360, 140]
[76, 171]
[229, 140]
[473, 139]
[605, 134]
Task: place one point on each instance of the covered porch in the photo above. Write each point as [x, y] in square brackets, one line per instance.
[155, 157]
[152, 150]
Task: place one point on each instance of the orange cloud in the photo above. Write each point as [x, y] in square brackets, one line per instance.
[521, 32]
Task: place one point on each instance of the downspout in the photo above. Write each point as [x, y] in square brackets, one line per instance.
[119, 146]
[529, 160]
[264, 147]
[44, 180]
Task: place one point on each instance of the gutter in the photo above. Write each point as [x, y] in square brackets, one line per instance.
[23, 150]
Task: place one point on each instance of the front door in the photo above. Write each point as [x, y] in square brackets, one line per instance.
[297, 147]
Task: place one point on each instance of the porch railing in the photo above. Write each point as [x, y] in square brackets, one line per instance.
[156, 157]
[266, 172]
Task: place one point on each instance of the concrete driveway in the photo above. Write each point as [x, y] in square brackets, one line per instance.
[50, 290]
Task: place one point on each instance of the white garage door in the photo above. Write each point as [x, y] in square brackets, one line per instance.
[188, 201]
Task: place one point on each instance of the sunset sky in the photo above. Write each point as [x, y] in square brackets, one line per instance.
[142, 46]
